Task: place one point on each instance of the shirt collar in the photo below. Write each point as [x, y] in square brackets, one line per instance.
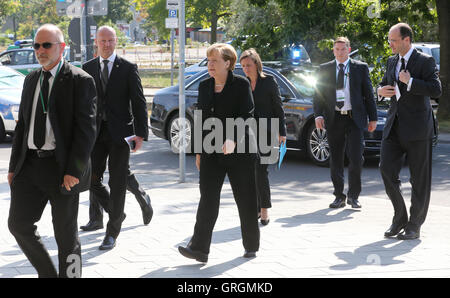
[110, 58]
[345, 63]
[407, 55]
[54, 70]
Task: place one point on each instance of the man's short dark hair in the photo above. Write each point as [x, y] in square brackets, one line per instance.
[405, 31]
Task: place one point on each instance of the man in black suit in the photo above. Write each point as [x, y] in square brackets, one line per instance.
[122, 112]
[343, 104]
[410, 80]
[52, 143]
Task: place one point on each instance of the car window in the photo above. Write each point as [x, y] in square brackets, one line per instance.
[23, 57]
[204, 62]
[194, 86]
[6, 59]
[435, 52]
[301, 81]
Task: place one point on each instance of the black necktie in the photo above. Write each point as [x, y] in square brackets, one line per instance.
[402, 86]
[340, 79]
[340, 84]
[105, 74]
[40, 117]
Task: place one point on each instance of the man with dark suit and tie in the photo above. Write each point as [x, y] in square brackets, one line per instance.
[49, 161]
[410, 80]
[344, 104]
[121, 113]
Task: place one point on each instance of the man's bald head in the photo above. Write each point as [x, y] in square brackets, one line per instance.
[106, 41]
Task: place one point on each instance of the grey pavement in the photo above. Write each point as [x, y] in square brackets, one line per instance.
[303, 239]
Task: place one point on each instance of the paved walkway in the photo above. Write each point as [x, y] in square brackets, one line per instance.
[303, 239]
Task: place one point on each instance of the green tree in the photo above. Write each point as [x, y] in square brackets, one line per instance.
[118, 10]
[7, 7]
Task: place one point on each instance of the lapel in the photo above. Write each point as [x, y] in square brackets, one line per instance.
[412, 60]
[29, 96]
[394, 69]
[114, 77]
[96, 76]
[58, 85]
[351, 73]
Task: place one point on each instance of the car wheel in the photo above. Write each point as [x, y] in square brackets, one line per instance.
[317, 146]
[2, 131]
[174, 134]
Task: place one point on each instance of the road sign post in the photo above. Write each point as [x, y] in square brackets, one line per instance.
[182, 102]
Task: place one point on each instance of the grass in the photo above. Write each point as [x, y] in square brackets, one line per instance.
[151, 79]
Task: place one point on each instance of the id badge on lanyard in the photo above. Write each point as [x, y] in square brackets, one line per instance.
[340, 96]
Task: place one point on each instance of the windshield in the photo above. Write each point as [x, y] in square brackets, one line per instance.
[303, 81]
[10, 79]
[435, 52]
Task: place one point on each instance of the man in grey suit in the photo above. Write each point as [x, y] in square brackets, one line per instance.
[345, 106]
[410, 80]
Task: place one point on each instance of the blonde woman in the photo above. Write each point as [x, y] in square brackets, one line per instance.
[224, 95]
[266, 96]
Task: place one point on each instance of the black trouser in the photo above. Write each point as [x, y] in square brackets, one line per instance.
[418, 156]
[262, 186]
[241, 173]
[118, 156]
[95, 209]
[35, 185]
[345, 137]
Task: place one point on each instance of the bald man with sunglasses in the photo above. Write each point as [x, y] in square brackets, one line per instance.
[50, 157]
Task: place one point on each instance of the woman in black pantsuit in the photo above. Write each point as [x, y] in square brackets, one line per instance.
[225, 96]
[266, 95]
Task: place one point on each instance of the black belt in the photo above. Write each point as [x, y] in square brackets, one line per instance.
[345, 113]
[41, 153]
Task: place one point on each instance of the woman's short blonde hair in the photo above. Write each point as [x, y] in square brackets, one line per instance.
[252, 54]
[226, 51]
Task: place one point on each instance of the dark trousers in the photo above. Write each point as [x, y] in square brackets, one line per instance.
[96, 210]
[344, 137]
[117, 155]
[418, 156]
[35, 185]
[241, 173]
[262, 186]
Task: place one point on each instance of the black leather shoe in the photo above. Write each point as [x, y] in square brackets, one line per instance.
[354, 203]
[108, 243]
[409, 234]
[147, 214]
[250, 254]
[265, 222]
[193, 254]
[92, 226]
[338, 203]
[394, 229]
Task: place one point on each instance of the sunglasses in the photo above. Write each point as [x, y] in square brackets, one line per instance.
[45, 45]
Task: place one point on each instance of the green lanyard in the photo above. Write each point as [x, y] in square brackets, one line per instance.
[40, 87]
[345, 74]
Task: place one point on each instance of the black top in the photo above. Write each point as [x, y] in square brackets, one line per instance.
[234, 102]
[268, 102]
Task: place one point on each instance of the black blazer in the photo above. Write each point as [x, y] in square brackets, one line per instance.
[124, 102]
[268, 102]
[361, 93]
[72, 109]
[414, 112]
[239, 104]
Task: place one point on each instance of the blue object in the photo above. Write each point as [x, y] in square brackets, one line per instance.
[282, 153]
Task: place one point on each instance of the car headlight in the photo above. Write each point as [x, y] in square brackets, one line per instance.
[381, 121]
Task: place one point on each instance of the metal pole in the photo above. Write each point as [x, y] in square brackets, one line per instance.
[172, 43]
[83, 30]
[181, 34]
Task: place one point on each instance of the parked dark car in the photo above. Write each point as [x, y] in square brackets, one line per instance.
[296, 89]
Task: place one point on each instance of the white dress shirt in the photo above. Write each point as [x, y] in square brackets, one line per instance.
[110, 63]
[399, 65]
[50, 142]
[347, 103]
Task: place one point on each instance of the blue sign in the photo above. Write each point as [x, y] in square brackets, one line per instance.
[173, 13]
